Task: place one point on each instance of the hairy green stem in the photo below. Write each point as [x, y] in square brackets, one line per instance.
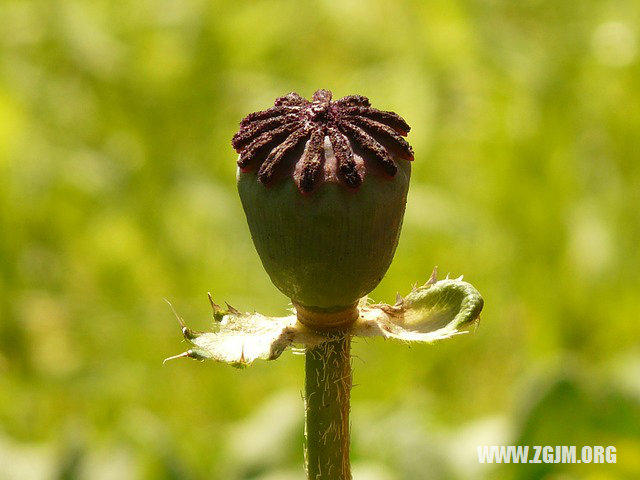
[327, 395]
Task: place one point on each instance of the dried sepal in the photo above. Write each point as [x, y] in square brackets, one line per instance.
[434, 311]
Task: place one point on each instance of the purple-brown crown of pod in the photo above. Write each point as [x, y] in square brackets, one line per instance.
[293, 137]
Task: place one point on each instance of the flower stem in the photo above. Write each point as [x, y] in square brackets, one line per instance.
[327, 395]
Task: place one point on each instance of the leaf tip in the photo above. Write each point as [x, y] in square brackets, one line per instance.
[232, 310]
[433, 278]
[175, 357]
[399, 300]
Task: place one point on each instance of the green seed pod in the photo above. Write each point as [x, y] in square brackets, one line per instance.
[324, 186]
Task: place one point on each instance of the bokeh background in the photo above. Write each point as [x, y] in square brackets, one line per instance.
[117, 190]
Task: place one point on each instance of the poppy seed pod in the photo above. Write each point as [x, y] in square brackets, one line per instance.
[324, 186]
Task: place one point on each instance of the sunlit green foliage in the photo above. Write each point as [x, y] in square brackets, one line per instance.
[117, 189]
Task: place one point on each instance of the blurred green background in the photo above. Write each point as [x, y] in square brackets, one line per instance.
[117, 189]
